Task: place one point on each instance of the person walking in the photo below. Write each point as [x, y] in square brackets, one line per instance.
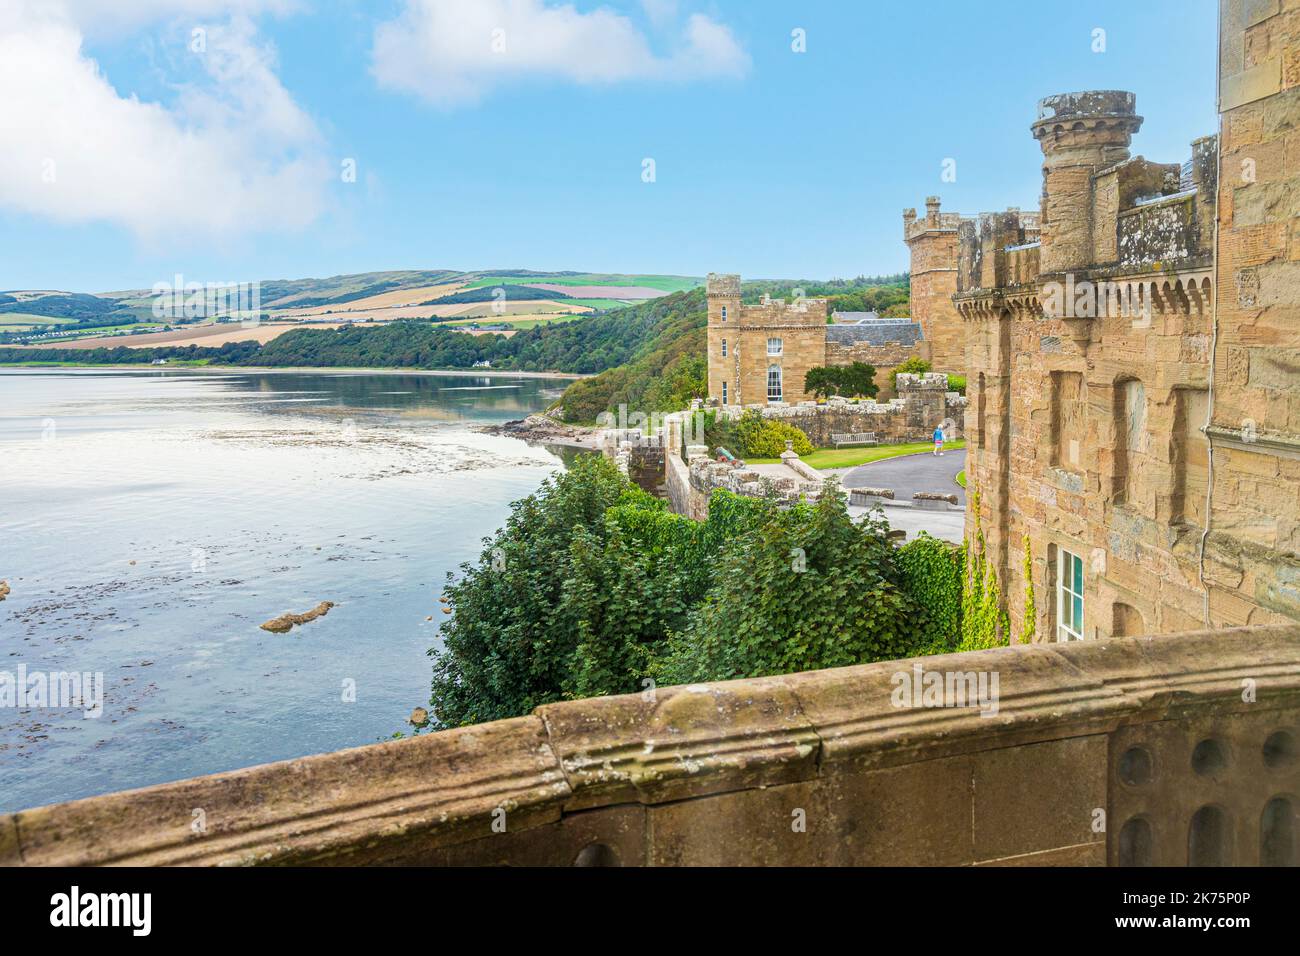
[938, 440]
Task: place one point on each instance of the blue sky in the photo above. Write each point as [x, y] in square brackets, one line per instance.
[132, 157]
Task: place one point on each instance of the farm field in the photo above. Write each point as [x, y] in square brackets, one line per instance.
[333, 301]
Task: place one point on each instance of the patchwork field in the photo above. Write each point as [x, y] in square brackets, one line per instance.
[206, 335]
[31, 317]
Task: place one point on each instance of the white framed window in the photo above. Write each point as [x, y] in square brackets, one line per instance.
[774, 346]
[724, 348]
[724, 313]
[724, 393]
[1069, 597]
[774, 383]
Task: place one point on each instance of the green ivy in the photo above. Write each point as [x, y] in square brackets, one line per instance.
[984, 623]
[932, 572]
[1027, 631]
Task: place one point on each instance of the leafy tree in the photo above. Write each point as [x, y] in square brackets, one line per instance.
[858, 380]
[807, 588]
[507, 647]
[822, 381]
[593, 586]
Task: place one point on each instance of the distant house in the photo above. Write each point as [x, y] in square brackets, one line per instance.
[486, 363]
[158, 362]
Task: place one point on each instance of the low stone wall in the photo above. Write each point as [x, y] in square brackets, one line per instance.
[1124, 751]
[683, 497]
[708, 476]
[924, 404]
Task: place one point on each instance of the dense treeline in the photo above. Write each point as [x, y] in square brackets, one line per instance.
[593, 587]
[755, 289]
[232, 353]
[891, 301]
[665, 370]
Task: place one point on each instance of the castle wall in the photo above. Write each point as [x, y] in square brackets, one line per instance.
[1088, 383]
[716, 774]
[1254, 539]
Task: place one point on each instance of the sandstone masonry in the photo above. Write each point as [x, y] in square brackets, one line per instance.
[1134, 386]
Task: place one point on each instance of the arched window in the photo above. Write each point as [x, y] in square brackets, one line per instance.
[724, 348]
[1126, 621]
[1277, 842]
[774, 383]
[1209, 838]
[1135, 843]
[774, 346]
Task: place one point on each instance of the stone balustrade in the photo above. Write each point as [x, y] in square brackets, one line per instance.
[1166, 750]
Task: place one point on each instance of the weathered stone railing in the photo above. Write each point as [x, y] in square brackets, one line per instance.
[1162, 750]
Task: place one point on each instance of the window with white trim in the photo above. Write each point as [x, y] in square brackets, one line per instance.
[724, 348]
[724, 393]
[724, 313]
[774, 383]
[1069, 597]
[774, 346]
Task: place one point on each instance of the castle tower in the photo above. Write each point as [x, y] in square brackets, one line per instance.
[932, 242]
[1080, 134]
[761, 354]
[723, 292]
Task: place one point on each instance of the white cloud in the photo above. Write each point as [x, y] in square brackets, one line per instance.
[455, 51]
[234, 154]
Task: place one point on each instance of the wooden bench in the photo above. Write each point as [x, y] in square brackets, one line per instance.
[854, 438]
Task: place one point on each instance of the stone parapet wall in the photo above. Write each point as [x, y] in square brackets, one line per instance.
[708, 476]
[842, 766]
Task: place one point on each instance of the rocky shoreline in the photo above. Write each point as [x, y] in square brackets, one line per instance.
[547, 431]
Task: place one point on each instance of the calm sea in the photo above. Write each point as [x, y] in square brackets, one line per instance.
[151, 520]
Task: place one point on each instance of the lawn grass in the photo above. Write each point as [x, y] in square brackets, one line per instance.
[961, 478]
[822, 458]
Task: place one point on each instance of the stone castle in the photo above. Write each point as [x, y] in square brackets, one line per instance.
[1133, 359]
[759, 354]
[1134, 364]
[1132, 352]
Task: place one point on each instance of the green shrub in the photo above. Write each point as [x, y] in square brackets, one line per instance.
[957, 383]
[759, 437]
[807, 588]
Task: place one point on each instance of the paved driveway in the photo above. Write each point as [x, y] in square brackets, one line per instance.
[910, 474]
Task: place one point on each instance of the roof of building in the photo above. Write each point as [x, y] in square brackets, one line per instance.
[878, 332]
[855, 316]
